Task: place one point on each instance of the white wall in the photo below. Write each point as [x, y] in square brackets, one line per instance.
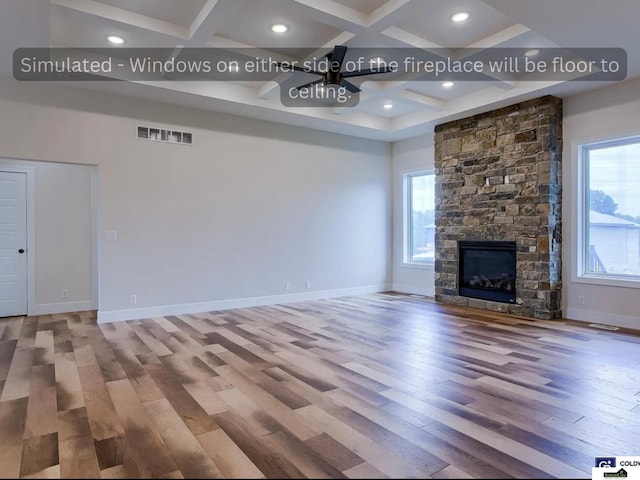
[225, 222]
[592, 116]
[411, 155]
[62, 237]
[249, 207]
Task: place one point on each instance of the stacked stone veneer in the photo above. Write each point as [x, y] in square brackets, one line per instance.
[498, 177]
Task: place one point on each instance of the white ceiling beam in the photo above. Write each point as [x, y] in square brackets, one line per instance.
[410, 40]
[203, 27]
[386, 14]
[377, 122]
[268, 90]
[505, 81]
[339, 39]
[212, 16]
[390, 88]
[334, 14]
[502, 36]
[405, 39]
[341, 110]
[203, 16]
[426, 100]
[217, 41]
[415, 41]
[125, 17]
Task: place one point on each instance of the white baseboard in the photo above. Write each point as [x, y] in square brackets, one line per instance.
[217, 305]
[414, 289]
[65, 307]
[591, 316]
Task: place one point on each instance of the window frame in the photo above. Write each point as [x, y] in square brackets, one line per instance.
[580, 272]
[407, 237]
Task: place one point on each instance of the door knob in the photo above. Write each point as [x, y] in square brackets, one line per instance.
[21, 250]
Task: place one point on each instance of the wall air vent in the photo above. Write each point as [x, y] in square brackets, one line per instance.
[165, 135]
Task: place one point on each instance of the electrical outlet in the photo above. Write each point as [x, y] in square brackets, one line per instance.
[133, 299]
[581, 300]
[287, 286]
[308, 283]
[65, 294]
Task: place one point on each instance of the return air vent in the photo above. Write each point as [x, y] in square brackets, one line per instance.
[165, 135]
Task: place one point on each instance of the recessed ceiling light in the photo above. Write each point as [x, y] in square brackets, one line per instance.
[115, 39]
[531, 53]
[460, 17]
[388, 106]
[279, 28]
[447, 84]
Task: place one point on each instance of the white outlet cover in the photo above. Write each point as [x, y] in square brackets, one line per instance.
[111, 235]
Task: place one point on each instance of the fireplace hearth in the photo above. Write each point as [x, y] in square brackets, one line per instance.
[487, 270]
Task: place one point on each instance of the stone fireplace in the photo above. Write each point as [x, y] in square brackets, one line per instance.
[498, 180]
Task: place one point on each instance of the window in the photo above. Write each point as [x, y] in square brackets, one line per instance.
[610, 230]
[420, 226]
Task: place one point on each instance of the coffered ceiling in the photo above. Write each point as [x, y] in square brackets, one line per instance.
[418, 102]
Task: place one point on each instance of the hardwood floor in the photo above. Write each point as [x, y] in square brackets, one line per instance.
[376, 386]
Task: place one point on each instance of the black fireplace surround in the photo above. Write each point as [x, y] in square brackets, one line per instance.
[487, 270]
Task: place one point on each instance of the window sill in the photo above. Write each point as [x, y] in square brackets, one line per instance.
[609, 281]
[419, 266]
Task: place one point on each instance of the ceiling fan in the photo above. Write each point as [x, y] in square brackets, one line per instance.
[334, 75]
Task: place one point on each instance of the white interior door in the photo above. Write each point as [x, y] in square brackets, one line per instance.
[13, 244]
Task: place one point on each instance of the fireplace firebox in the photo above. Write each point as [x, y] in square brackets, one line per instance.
[487, 270]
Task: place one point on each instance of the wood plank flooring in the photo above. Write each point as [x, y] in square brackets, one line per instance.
[382, 386]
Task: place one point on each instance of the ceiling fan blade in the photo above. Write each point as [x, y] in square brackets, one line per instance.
[310, 84]
[337, 56]
[349, 86]
[367, 71]
[298, 69]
